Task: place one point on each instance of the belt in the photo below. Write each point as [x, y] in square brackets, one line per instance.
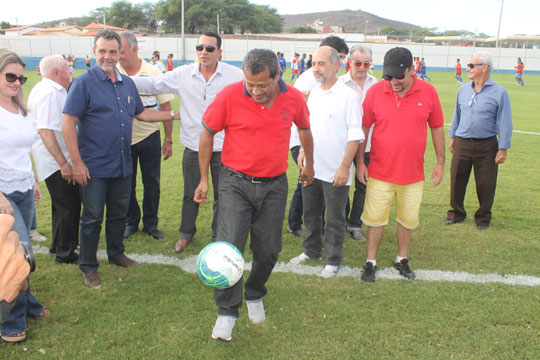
[478, 139]
[254, 180]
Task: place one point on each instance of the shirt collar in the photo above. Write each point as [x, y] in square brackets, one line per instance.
[103, 76]
[282, 88]
[53, 83]
[489, 82]
[197, 69]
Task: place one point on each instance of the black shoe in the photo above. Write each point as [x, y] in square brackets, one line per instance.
[368, 275]
[452, 222]
[155, 233]
[129, 231]
[73, 258]
[404, 269]
[300, 233]
[482, 227]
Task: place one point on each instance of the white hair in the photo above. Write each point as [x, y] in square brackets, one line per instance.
[50, 63]
[363, 49]
[484, 57]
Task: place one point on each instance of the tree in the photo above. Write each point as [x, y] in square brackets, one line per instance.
[149, 13]
[123, 14]
[235, 16]
[4, 25]
[301, 30]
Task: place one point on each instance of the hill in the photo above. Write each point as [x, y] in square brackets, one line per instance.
[349, 19]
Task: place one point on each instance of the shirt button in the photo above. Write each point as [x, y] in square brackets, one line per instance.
[262, 107]
[121, 110]
[122, 124]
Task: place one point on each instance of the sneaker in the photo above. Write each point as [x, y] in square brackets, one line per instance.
[91, 280]
[256, 311]
[301, 258]
[368, 275]
[357, 235]
[223, 327]
[34, 235]
[404, 269]
[329, 270]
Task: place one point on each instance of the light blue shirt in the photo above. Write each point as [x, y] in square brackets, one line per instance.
[482, 114]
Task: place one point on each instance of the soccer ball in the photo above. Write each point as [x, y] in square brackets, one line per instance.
[220, 265]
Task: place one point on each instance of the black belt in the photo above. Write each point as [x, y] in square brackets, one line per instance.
[478, 139]
[254, 180]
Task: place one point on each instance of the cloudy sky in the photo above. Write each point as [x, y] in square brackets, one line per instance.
[519, 16]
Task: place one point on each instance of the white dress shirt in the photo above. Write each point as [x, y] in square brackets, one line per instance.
[195, 95]
[335, 118]
[45, 105]
[369, 82]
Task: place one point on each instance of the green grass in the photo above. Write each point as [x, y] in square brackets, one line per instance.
[161, 312]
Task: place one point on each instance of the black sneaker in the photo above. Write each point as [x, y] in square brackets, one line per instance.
[404, 269]
[368, 275]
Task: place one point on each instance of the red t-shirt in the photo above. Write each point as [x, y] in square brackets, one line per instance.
[458, 68]
[256, 138]
[418, 65]
[398, 141]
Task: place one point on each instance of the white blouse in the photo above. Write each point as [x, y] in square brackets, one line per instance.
[16, 138]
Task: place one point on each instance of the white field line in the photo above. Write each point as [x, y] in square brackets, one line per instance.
[188, 265]
[516, 131]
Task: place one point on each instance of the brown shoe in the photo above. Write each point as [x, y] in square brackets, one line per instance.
[124, 261]
[91, 280]
[181, 245]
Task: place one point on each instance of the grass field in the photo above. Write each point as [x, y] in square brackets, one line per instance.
[161, 312]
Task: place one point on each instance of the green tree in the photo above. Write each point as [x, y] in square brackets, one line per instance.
[123, 14]
[149, 15]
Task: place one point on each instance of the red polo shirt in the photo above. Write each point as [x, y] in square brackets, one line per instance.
[256, 138]
[398, 141]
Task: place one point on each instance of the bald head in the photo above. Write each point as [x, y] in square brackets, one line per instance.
[55, 68]
[325, 65]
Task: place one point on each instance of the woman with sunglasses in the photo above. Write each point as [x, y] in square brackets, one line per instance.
[18, 188]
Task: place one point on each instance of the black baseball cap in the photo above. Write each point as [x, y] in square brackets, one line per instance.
[396, 61]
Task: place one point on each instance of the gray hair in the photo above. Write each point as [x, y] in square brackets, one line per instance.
[258, 60]
[108, 35]
[50, 63]
[363, 49]
[131, 39]
[484, 57]
[334, 56]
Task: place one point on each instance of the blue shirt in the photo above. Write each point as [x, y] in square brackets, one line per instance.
[105, 111]
[483, 114]
[282, 62]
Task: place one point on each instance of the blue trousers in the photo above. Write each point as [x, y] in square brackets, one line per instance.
[25, 304]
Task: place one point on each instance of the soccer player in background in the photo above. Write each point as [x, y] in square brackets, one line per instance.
[458, 72]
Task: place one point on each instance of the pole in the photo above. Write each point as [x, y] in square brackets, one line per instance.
[183, 37]
[217, 22]
[499, 29]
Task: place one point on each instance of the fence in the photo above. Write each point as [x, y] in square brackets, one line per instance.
[438, 58]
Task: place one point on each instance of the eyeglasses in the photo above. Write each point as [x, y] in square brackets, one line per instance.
[209, 48]
[11, 78]
[471, 65]
[389, 78]
[365, 64]
[473, 99]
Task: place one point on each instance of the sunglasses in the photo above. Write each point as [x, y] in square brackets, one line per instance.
[471, 65]
[389, 78]
[11, 78]
[366, 65]
[209, 48]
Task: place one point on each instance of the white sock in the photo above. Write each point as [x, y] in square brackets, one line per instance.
[374, 262]
[399, 258]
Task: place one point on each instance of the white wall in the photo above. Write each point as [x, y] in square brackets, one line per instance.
[437, 57]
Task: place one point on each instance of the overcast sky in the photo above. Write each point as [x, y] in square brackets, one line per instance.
[519, 16]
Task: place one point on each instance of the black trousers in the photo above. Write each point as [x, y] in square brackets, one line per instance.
[66, 213]
[477, 154]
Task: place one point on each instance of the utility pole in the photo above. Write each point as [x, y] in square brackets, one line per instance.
[499, 30]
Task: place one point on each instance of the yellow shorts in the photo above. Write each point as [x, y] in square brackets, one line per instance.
[379, 197]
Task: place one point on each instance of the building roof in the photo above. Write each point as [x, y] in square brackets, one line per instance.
[96, 26]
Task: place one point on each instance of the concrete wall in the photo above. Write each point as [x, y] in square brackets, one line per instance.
[438, 58]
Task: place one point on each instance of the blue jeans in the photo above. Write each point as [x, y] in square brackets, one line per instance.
[25, 304]
[147, 153]
[315, 197]
[192, 177]
[354, 213]
[100, 192]
[250, 208]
